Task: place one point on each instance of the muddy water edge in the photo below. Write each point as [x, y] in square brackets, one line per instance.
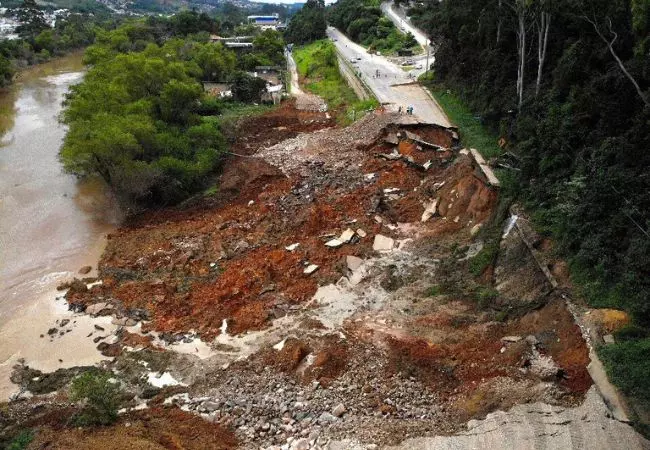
[51, 224]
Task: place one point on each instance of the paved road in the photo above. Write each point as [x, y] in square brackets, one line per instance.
[393, 86]
[402, 23]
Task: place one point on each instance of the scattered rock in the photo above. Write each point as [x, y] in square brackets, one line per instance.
[326, 418]
[383, 243]
[124, 322]
[361, 233]
[609, 339]
[339, 410]
[99, 328]
[310, 269]
[64, 322]
[85, 270]
[511, 338]
[292, 247]
[353, 262]
[100, 308]
[475, 229]
[52, 331]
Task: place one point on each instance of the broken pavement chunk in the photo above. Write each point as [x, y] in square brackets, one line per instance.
[353, 262]
[429, 210]
[383, 243]
[310, 269]
[292, 247]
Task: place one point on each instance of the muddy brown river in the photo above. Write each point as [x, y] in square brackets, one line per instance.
[51, 224]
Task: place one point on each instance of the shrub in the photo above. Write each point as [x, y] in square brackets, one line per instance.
[21, 440]
[101, 397]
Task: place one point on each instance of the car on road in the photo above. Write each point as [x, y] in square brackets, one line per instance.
[353, 60]
[419, 66]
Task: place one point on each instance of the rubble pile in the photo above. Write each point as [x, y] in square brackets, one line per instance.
[328, 282]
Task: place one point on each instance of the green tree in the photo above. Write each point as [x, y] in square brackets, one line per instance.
[32, 20]
[247, 88]
[308, 24]
[216, 62]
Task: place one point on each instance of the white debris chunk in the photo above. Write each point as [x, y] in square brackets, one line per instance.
[292, 247]
[161, 380]
[333, 243]
[383, 243]
[310, 269]
[347, 236]
[429, 210]
[361, 233]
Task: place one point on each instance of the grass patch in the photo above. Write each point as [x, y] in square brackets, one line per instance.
[484, 296]
[318, 66]
[628, 366]
[484, 258]
[434, 290]
[21, 440]
[472, 133]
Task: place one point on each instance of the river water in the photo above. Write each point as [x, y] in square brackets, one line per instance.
[51, 224]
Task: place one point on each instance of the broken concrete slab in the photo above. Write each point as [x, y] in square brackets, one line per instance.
[429, 210]
[392, 139]
[383, 243]
[416, 138]
[487, 171]
[353, 262]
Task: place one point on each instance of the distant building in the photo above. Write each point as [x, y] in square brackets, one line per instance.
[265, 22]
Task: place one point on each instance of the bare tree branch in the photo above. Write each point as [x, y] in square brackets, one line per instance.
[610, 46]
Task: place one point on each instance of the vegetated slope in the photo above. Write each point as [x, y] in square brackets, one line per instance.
[580, 135]
[141, 119]
[319, 68]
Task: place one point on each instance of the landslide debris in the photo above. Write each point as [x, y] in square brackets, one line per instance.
[326, 291]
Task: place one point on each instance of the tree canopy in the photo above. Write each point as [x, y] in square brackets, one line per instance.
[572, 102]
[308, 24]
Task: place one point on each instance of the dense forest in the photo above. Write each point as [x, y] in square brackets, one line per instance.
[309, 24]
[141, 120]
[363, 22]
[566, 84]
